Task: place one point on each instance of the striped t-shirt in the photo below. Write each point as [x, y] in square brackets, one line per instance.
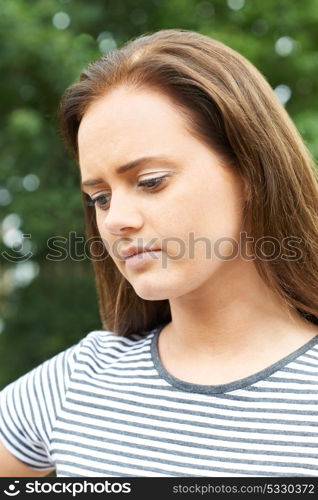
[108, 407]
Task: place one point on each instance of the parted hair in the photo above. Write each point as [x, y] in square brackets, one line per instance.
[230, 106]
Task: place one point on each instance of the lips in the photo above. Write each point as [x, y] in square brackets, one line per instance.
[125, 253]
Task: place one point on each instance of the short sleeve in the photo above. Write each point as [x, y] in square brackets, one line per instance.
[29, 407]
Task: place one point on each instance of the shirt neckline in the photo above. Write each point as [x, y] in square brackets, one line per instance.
[221, 388]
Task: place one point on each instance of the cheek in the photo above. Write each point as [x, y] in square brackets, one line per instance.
[194, 227]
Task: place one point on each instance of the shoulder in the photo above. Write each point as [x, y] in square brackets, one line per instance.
[107, 347]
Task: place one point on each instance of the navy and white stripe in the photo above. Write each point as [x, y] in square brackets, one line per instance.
[107, 407]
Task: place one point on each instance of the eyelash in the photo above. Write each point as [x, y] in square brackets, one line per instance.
[159, 180]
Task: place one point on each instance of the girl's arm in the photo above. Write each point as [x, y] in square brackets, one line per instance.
[12, 467]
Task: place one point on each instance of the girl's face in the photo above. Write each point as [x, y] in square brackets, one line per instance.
[189, 207]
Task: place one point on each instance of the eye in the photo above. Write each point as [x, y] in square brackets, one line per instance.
[152, 183]
[102, 201]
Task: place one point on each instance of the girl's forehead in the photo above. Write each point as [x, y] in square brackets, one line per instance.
[129, 128]
[124, 108]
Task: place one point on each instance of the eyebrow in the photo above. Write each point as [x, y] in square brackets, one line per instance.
[128, 166]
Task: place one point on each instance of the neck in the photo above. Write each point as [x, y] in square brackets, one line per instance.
[233, 313]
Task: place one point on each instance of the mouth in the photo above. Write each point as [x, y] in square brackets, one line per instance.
[132, 251]
[141, 259]
[146, 250]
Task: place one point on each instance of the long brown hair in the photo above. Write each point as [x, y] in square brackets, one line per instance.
[231, 107]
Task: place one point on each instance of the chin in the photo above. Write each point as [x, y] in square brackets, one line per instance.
[164, 285]
[153, 293]
[158, 291]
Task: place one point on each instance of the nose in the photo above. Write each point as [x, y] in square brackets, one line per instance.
[123, 214]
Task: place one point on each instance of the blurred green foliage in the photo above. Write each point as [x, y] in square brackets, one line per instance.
[48, 305]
